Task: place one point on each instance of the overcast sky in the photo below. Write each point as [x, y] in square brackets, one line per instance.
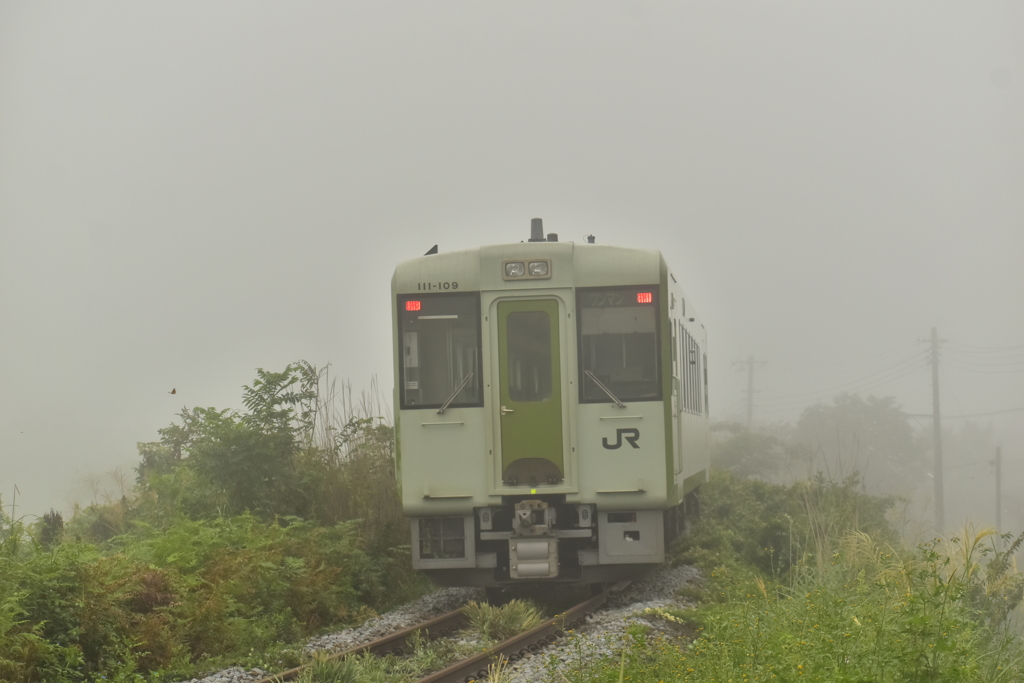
[193, 190]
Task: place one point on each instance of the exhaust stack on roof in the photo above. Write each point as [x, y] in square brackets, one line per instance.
[537, 230]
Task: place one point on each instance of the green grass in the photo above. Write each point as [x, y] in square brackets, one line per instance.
[850, 608]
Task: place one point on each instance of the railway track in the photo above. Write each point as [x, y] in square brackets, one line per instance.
[473, 668]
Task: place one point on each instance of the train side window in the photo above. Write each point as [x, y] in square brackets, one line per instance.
[684, 347]
[695, 363]
[440, 336]
[684, 371]
[675, 345]
[707, 409]
[691, 371]
[691, 367]
[618, 337]
[696, 376]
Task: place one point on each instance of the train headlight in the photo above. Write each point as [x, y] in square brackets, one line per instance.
[538, 268]
[515, 269]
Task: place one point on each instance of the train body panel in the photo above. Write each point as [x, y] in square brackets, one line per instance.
[444, 478]
[551, 411]
[623, 451]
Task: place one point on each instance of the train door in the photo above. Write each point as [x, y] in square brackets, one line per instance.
[530, 379]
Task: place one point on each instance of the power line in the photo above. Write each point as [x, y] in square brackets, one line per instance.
[962, 357]
[994, 412]
[969, 464]
[861, 360]
[986, 364]
[975, 356]
[990, 369]
[864, 383]
[831, 380]
[987, 348]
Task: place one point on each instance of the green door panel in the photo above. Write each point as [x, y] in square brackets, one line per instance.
[530, 378]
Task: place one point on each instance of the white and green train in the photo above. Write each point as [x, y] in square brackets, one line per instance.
[551, 411]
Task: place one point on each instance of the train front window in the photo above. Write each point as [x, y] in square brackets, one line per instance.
[618, 335]
[529, 356]
[440, 336]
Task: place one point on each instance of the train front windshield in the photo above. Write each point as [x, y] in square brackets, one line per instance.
[618, 343]
[440, 337]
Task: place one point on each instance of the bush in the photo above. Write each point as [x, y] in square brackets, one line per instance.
[245, 531]
[773, 528]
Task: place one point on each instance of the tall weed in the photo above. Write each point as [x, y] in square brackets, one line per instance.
[498, 623]
[850, 604]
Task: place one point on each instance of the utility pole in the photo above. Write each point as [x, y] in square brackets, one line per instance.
[940, 503]
[750, 392]
[14, 500]
[999, 490]
[750, 362]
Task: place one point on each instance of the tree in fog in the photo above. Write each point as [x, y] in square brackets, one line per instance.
[769, 453]
[227, 462]
[871, 437]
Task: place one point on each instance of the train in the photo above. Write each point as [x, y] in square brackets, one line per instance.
[551, 411]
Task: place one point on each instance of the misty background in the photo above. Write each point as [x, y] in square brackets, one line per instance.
[191, 191]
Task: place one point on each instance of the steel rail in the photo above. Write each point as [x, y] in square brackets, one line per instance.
[391, 643]
[475, 668]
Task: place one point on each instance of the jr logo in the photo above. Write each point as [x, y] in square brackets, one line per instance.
[632, 436]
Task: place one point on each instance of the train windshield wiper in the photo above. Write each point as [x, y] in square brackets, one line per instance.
[605, 389]
[455, 393]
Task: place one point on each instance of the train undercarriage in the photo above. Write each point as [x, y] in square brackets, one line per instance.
[543, 539]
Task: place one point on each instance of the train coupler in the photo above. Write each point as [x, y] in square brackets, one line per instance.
[533, 558]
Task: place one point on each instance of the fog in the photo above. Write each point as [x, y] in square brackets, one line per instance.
[190, 191]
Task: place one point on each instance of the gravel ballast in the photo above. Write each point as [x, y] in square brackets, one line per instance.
[603, 634]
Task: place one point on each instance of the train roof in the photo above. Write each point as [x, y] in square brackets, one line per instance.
[572, 264]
